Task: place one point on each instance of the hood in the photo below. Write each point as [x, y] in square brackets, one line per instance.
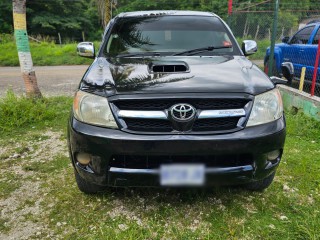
[214, 74]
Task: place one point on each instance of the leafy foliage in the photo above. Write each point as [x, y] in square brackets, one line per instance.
[254, 19]
[6, 22]
[48, 18]
[219, 7]
[72, 17]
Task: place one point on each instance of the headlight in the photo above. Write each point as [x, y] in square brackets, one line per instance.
[93, 109]
[267, 107]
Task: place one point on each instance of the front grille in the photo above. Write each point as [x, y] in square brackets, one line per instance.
[215, 124]
[199, 126]
[148, 125]
[161, 104]
[154, 162]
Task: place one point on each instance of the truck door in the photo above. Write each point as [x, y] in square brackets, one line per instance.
[296, 52]
[311, 51]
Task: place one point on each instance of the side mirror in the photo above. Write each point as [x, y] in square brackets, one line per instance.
[86, 49]
[285, 39]
[277, 80]
[287, 71]
[249, 47]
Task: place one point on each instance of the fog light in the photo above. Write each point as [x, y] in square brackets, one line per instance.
[83, 158]
[273, 155]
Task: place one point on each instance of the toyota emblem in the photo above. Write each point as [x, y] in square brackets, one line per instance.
[182, 112]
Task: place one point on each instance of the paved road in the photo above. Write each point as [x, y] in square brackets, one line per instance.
[53, 80]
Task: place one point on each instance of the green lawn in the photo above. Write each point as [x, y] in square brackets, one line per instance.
[43, 54]
[40, 199]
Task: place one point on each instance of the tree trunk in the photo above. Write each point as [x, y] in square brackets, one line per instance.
[257, 32]
[104, 7]
[22, 42]
[107, 16]
[245, 28]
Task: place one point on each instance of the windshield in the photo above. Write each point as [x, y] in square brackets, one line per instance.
[167, 35]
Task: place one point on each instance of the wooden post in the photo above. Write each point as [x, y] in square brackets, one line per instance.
[83, 38]
[303, 73]
[282, 33]
[245, 28]
[247, 32]
[257, 32]
[59, 36]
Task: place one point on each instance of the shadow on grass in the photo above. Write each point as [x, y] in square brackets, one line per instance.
[176, 195]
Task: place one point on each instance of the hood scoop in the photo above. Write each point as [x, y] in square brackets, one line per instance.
[168, 67]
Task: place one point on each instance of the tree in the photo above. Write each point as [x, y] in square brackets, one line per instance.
[22, 42]
[5, 16]
[104, 7]
[69, 18]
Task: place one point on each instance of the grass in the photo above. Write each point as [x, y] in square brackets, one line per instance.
[289, 209]
[8, 185]
[262, 48]
[20, 112]
[43, 54]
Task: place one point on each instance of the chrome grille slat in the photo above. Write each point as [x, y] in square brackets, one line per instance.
[198, 103]
[222, 113]
[162, 115]
[142, 114]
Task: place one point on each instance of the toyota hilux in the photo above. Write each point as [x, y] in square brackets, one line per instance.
[171, 100]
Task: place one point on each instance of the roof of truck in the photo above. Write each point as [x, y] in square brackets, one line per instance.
[166, 12]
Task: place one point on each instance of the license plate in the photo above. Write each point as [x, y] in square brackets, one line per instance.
[182, 175]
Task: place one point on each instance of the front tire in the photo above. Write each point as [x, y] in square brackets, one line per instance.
[87, 187]
[261, 184]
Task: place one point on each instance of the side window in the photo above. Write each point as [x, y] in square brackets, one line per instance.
[302, 36]
[316, 38]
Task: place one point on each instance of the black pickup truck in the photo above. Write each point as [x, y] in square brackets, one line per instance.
[171, 100]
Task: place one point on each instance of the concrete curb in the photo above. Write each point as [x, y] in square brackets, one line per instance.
[301, 101]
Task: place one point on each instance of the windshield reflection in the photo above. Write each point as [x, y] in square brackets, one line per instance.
[131, 36]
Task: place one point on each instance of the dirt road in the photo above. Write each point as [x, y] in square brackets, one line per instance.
[53, 80]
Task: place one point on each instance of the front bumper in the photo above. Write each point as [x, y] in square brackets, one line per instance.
[103, 144]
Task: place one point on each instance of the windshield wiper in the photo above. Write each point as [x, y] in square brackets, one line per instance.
[143, 54]
[200, 50]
